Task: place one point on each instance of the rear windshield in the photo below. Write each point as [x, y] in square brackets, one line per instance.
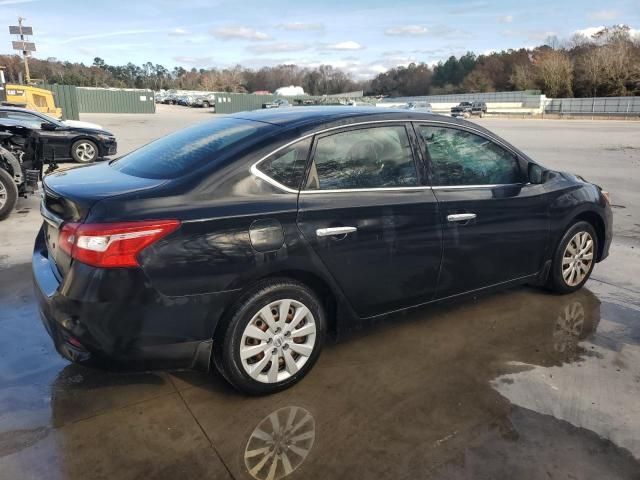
[186, 150]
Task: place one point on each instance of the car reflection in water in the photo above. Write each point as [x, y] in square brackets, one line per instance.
[280, 443]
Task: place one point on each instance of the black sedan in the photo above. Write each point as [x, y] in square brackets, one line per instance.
[241, 241]
[81, 142]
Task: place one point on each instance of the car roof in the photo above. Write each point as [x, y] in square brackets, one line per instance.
[315, 116]
[16, 109]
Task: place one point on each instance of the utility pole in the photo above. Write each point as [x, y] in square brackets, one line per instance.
[24, 53]
[25, 47]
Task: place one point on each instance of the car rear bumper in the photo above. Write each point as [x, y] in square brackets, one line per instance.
[114, 318]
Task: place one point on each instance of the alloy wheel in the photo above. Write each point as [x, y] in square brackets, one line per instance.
[3, 195]
[278, 341]
[280, 443]
[577, 258]
[85, 151]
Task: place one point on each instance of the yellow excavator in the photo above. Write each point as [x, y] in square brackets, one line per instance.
[33, 98]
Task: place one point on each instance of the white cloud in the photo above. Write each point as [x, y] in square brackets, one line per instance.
[348, 45]
[603, 15]
[299, 26]
[239, 33]
[505, 19]
[589, 31]
[194, 61]
[276, 47]
[406, 30]
[178, 32]
[108, 35]
[15, 2]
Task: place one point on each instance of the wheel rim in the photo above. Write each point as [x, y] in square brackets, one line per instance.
[568, 328]
[577, 258]
[280, 443]
[85, 152]
[3, 195]
[278, 341]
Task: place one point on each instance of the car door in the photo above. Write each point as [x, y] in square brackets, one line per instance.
[495, 223]
[370, 219]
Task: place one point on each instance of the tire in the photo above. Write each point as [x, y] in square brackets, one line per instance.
[482, 114]
[8, 194]
[561, 280]
[466, 115]
[84, 151]
[255, 374]
[205, 105]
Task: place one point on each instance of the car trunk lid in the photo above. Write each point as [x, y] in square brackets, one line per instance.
[68, 196]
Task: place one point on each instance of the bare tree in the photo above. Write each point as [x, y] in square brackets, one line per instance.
[555, 73]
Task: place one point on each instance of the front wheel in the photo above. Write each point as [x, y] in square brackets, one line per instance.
[574, 258]
[274, 337]
[8, 194]
[84, 151]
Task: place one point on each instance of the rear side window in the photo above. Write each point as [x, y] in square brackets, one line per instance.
[183, 151]
[287, 165]
[375, 157]
[462, 158]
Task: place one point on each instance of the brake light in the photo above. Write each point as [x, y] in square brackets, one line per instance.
[112, 244]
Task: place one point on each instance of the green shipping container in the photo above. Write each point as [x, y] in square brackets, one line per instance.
[106, 100]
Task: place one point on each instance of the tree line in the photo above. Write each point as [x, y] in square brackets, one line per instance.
[604, 64]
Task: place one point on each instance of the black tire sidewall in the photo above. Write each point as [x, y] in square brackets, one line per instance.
[557, 282]
[84, 140]
[12, 194]
[228, 358]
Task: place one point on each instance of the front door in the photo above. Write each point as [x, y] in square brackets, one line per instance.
[495, 224]
[369, 218]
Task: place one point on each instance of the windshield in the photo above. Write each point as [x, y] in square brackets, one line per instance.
[177, 154]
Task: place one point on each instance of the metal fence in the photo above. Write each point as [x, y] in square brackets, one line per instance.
[614, 106]
[524, 96]
[66, 98]
[107, 100]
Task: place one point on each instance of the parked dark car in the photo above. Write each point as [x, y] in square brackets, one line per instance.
[466, 109]
[241, 241]
[82, 144]
[277, 103]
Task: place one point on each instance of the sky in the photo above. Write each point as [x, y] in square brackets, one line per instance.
[362, 37]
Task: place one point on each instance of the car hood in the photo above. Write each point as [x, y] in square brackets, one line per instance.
[79, 124]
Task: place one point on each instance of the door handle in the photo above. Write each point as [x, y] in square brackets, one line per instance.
[461, 217]
[333, 231]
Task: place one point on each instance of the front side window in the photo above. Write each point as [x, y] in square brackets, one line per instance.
[377, 157]
[462, 158]
[32, 121]
[287, 165]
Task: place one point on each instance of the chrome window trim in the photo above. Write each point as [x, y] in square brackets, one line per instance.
[493, 185]
[263, 176]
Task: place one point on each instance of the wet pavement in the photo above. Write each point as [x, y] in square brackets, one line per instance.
[521, 384]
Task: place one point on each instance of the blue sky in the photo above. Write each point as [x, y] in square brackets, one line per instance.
[362, 37]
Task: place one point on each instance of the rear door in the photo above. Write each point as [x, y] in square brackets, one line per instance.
[367, 214]
[495, 224]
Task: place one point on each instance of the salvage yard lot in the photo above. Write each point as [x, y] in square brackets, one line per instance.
[549, 382]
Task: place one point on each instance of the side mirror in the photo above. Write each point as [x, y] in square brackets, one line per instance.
[536, 174]
[47, 126]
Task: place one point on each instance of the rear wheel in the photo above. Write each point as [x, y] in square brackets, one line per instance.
[8, 194]
[574, 258]
[205, 105]
[84, 151]
[273, 338]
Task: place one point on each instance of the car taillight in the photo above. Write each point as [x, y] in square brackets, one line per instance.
[112, 244]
